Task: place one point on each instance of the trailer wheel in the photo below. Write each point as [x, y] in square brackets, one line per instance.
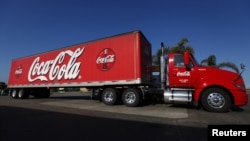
[22, 93]
[14, 93]
[131, 97]
[109, 96]
[216, 100]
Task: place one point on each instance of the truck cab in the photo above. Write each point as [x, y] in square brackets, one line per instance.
[179, 73]
[214, 89]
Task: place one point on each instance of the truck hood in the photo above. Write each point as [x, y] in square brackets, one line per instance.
[217, 73]
[220, 76]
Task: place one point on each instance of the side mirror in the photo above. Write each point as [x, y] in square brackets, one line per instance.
[242, 66]
[186, 58]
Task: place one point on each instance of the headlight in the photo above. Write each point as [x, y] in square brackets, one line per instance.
[239, 86]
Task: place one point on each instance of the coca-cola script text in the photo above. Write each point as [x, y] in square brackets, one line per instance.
[55, 67]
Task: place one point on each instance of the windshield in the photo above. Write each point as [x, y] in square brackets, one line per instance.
[194, 59]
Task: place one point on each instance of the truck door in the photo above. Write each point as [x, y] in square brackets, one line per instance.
[179, 74]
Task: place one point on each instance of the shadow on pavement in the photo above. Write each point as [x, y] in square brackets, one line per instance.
[29, 125]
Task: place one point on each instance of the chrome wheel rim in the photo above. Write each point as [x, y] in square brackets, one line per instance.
[216, 100]
[130, 97]
[108, 96]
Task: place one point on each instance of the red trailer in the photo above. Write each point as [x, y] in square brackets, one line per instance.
[115, 61]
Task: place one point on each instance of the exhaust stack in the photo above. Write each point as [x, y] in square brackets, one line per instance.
[162, 67]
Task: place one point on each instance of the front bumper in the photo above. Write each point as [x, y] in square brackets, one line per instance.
[240, 97]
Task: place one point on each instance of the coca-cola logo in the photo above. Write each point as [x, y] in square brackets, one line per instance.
[105, 59]
[185, 73]
[56, 68]
[18, 71]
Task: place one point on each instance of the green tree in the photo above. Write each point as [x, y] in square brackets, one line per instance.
[182, 46]
[211, 61]
[179, 48]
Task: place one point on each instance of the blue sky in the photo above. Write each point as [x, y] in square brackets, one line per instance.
[219, 27]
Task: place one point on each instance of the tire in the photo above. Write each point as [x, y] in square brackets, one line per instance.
[216, 100]
[109, 96]
[131, 97]
[14, 93]
[22, 94]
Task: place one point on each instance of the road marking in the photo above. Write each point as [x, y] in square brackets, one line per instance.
[151, 111]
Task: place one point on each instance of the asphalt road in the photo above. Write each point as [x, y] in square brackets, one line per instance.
[73, 117]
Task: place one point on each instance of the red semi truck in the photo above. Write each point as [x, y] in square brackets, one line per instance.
[119, 69]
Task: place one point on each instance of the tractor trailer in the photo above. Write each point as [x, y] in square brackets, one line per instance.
[119, 69]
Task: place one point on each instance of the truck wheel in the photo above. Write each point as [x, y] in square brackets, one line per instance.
[216, 100]
[131, 97]
[22, 94]
[109, 96]
[14, 93]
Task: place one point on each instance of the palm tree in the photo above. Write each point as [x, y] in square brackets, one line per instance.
[182, 46]
[211, 61]
[179, 48]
